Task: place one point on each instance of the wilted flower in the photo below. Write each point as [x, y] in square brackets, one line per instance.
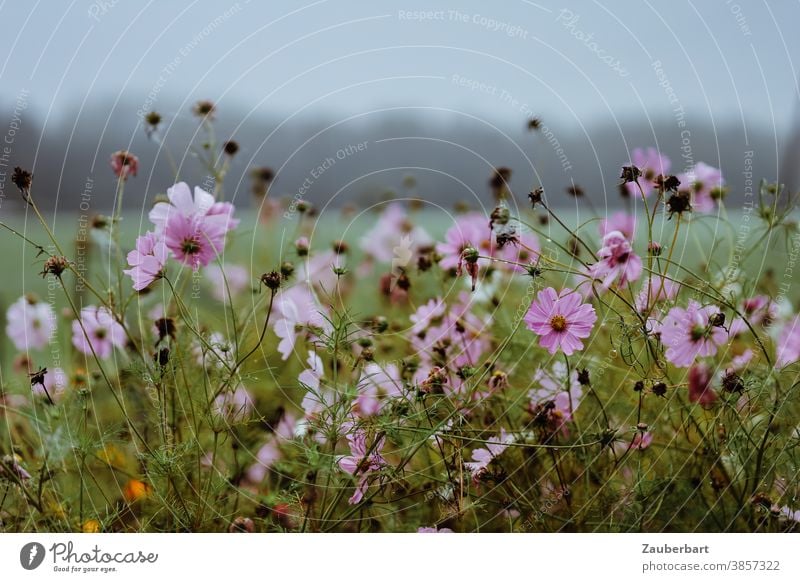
[52, 386]
[650, 164]
[124, 164]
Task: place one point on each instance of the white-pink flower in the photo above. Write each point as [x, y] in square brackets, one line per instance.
[30, 323]
[147, 260]
[691, 332]
[376, 385]
[618, 263]
[193, 228]
[233, 278]
[483, 456]
[97, 330]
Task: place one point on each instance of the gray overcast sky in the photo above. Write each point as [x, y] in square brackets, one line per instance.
[567, 60]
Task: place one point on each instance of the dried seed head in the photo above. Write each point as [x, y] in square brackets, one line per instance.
[204, 109]
[152, 119]
[165, 326]
[535, 196]
[667, 183]
[230, 148]
[630, 174]
[732, 382]
[271, 280]
[22, 179]
[575, 191]
[679, 203]
[55, 266]
[287, 270]
[659, 389]
[242, 525]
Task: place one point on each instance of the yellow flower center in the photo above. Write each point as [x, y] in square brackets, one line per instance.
[558, 323]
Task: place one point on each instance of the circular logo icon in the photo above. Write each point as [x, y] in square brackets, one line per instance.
[31, 555]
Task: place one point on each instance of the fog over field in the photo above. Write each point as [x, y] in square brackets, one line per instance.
[439, 91]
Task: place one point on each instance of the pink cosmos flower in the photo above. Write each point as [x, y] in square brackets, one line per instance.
[237, 277]
[30, 323]
[789, 343]
[656, 289]
[312, 375]
[377, 384]
[297, 309]
[689, 333]
[234, 407]
[702, 181]
[760, 309]
[270, 451]
[393, 238]
[362, 462]
[700, 390]
[639, 442]
[621, 222]
[618, 263]
[642, 440]
[435, 529]
[317, 270]
[147, 260]
[124, 164]
[561, 320]
[551, 388]
[459, 336]
[102, 332]
[428, 314]
[787, 513]
[471, 230]
[194, 229]
[652, 164]
[483, 456]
